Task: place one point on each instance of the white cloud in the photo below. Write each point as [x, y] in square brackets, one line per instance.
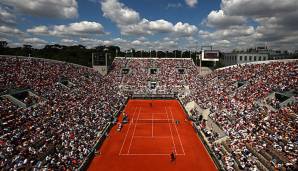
[10, 31]
[68, 42]
[146, 27]
[46, 8]
[159, 25]
[229, 33]
[83, 28]
[15, 44]
[185, 29]
[223, 42]
[142, 38]
[247, 23]
[230, 38]
[130, 23]
[6, 16]
[258, 8]
[137, 44]
[80, 28]
[119, 13]
[218, 19]
[39, 30]
[191, 3]
[90, 43]
[34, 40]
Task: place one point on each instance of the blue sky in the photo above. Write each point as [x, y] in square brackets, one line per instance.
[151, 24]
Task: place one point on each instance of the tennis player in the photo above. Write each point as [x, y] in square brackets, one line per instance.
[173, 157]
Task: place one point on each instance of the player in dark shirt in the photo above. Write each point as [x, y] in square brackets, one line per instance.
[173, 157]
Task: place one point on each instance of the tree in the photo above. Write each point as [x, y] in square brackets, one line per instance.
[28, 47]
[28, 50]
[3, 44]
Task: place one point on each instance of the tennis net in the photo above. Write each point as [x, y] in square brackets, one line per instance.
[153, 121]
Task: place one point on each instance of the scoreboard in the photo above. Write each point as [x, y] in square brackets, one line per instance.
[210, 55]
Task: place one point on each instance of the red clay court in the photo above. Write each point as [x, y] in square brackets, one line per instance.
[150, 136]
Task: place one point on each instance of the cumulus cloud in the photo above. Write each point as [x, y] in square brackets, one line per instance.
[15, 44]
[130, 23]
[119, 13]
[185, 29]
[146, 27]
[218, 19]
[91, 42]
[68, 42]
[34, 41]
[83, 28]
[6, 16]
[275, 22]
[191, 3]
[39, 30]
[10, 31]
[138, 44]
[231, 32]
[80, 28]
[258, 8]
[230, 38]
[45, 8]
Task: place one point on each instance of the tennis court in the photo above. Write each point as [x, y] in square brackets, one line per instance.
[156, 128]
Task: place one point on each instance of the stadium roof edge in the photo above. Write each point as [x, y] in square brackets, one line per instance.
[258, 62]
[149, 58]
[46, 60]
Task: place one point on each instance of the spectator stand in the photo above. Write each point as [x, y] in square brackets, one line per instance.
[24, 98]
[279, 100]
[77, 107]
[217, 162]
[96, 147]
[236, 97]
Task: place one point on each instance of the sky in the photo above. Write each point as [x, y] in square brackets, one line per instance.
[151, 24]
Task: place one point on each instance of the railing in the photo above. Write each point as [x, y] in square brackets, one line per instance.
[101, 139]
[153, 96]
[185, 111]
[99, 142]
[116, 114]
[212, 155]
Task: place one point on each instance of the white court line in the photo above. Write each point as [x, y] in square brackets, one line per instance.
[154, 120]
[127, 131]
[134, 131]
[138, 136]
[160, 113]
[135, 123]
[171, 132]
[149, 154]
[177, 132]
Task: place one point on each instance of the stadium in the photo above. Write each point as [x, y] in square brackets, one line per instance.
[168, 85]
[59, 116]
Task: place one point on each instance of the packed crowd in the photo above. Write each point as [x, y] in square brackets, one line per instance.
[255, 132]
[60, 131]
[74, 104]
[171, 74]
